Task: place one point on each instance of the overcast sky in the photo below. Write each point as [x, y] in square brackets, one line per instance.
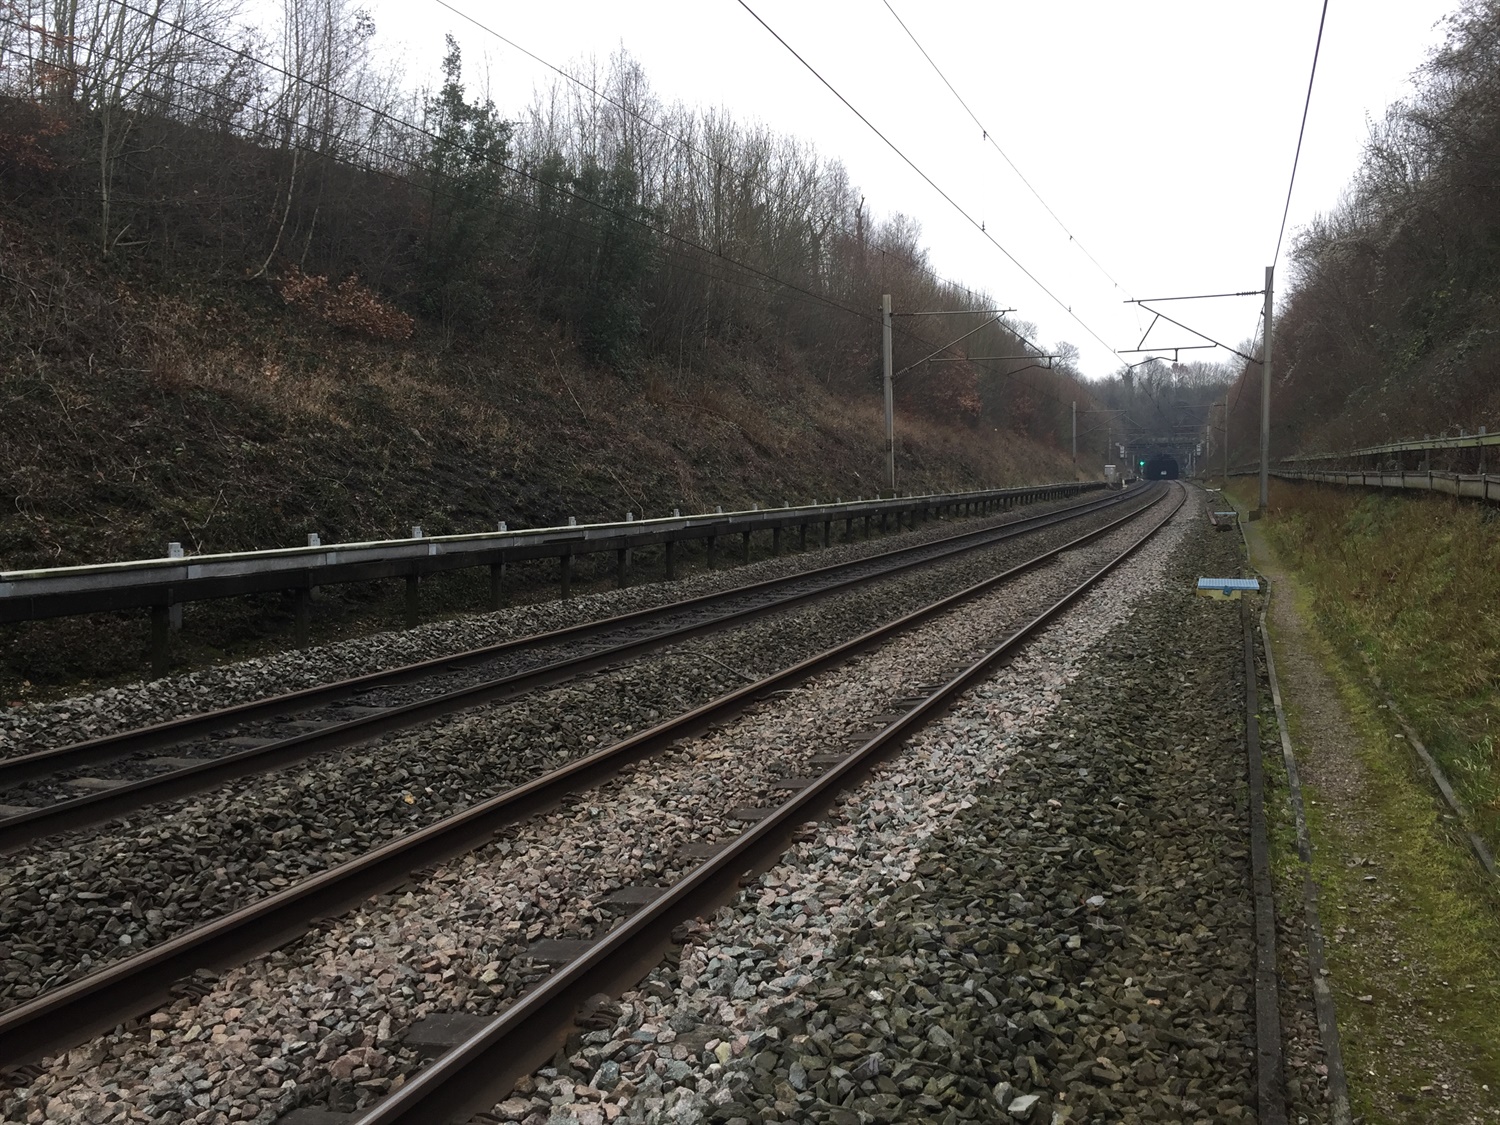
[1161, 132]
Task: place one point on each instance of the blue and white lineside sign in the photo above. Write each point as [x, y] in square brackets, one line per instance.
[1230, 588]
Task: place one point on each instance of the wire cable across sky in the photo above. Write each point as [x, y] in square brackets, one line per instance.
[990, 138]
[1285, 211]
[975, 223]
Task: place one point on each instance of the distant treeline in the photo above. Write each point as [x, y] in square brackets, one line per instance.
[182, 141]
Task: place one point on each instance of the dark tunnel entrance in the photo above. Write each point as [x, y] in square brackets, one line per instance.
[1160, 467]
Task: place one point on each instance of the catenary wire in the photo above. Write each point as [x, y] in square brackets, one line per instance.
[975, 223]
[1285, 211]
[989, 137]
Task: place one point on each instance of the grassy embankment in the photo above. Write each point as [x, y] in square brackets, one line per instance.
[1412, 585]
[1405, 583]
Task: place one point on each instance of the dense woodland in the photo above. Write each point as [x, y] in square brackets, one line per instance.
[1391, 326]
[189, 145]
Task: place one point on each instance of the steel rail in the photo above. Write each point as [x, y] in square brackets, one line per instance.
[477, 1073]
[97, 807]
[122, 990]
[26, 767]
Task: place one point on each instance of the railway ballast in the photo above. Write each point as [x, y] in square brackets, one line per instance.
[1040, 891]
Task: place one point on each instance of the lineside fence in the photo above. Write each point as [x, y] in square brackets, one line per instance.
[1472, 453]
[163, 585]
[1472, 486]
[1423, 465]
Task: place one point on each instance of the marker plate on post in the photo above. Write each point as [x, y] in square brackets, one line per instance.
[1228, 588]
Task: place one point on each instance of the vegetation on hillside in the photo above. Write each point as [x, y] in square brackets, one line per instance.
[1395, 580]
[190, 148]
[253, 286]
[1391, 325]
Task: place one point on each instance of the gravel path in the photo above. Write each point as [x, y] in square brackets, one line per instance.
[68, 906]
[319, 1021]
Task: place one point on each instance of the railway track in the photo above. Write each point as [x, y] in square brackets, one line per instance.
[170, 760]
[482, 1069]
[109, 995]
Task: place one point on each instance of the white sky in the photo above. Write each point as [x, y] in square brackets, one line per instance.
[1161, 131]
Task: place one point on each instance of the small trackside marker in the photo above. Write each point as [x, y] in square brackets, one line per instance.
[1228, 589]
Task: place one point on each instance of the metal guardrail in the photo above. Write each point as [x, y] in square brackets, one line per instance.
[1465, 441]
[1474, 486]
[163, 584]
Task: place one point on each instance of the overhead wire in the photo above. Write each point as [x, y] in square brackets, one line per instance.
[989, 137]
[975, 223]
[1317, 47]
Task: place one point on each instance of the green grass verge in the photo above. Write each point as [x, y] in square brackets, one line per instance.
[1412, 923]
[1411, 583]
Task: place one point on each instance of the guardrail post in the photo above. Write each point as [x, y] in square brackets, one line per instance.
[867, 525]
[671, 559]
[622, 560]
[802, 537]
[302, 615]
[776, 542]
[884, 526]
[744, 548]
[827, 533]
[497, 584]
[413, 587]
[413, 599]
[161, 629]
[708, 551]
[174, 609]
[565, 573]
[848, 528]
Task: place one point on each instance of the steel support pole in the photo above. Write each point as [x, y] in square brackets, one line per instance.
[890, 399]
[1265, 402]
[1225, 419]
[1075, 431]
